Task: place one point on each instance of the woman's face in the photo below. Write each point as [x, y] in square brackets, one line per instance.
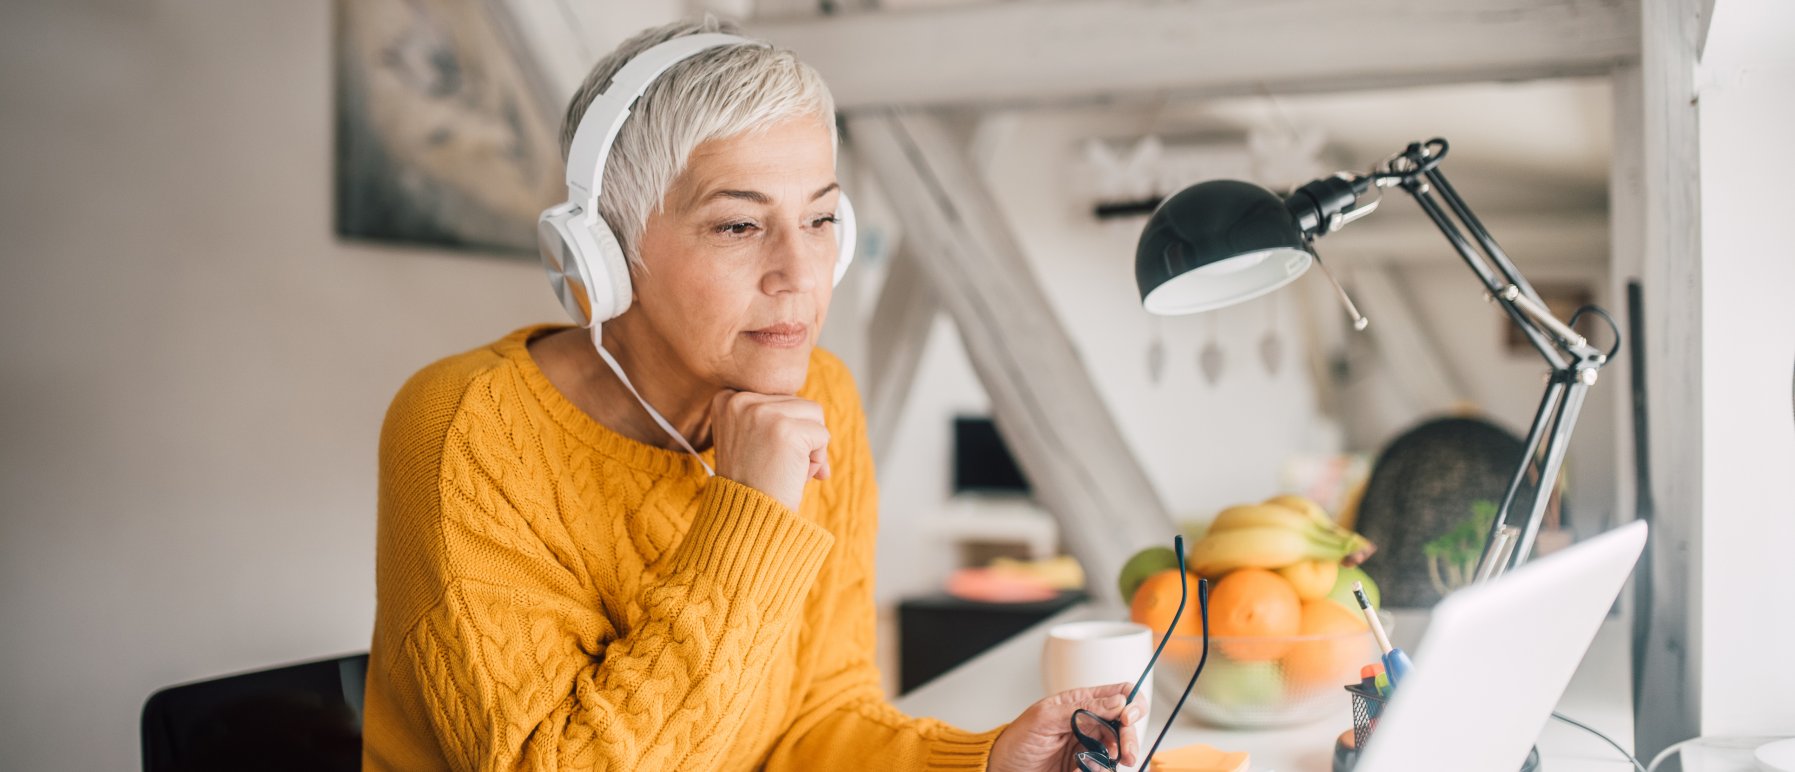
[740, 256]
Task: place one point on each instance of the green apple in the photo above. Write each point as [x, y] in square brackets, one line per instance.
[1342, 592]
[1145, 563]
[1240, 684]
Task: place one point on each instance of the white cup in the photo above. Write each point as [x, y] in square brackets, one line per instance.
[1085, 654]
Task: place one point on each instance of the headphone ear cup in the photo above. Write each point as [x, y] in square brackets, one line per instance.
[613, 291]
[844, 235]
[585, 265]
[559, 247]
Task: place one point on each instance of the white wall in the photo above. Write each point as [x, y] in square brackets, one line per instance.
[195, 369]
[1747, 88]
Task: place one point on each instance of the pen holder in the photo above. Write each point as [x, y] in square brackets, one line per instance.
[1366, 705]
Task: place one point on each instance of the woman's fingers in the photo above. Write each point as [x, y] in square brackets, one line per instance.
[1131, 736]
[1110, 702]
[1113, 696]
[1041, 738]
[768, 442]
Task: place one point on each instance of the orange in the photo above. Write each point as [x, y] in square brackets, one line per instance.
[1334, 660]
[1157, 600]
[1311, 578]
[1254, 603]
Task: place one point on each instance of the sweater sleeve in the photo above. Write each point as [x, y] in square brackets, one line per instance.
[845, 721]
[516, 669]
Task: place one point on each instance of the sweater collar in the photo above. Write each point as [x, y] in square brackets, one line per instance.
[660, 462]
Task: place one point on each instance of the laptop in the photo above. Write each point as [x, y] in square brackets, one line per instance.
[1497, 657]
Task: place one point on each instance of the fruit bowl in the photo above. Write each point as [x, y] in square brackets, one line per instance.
[1263, 682]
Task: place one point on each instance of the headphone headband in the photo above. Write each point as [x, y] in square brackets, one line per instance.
[604, 117]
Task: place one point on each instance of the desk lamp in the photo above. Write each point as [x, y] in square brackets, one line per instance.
[1222, 242]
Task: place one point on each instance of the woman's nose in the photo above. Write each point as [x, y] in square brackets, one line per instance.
[792, 266]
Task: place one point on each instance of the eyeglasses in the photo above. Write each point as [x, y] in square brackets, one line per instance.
[1102, 737]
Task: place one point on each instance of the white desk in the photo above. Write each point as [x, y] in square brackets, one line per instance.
[996, 686]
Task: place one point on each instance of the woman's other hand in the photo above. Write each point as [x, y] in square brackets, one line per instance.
[1041, 738]
[773, 444]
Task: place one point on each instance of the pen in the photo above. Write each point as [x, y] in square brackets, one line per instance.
[1396, 663]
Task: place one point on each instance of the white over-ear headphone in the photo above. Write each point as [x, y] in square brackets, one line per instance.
[585, 263]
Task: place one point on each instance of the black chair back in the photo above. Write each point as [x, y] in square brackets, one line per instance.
[299, 717]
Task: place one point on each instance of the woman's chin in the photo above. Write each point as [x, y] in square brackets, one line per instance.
[781, 372]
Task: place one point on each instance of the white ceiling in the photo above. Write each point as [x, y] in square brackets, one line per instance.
[1554, 132]
[1532, 146]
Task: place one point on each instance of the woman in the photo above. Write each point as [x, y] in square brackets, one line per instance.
[562, 586]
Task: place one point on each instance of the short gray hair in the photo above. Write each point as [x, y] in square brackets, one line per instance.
[718, 93]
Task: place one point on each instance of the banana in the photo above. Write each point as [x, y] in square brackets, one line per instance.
[1283, 531]
[1271, 548]
[1261, 516]
[1305, 506]
[1357, 547]
[1325, 533]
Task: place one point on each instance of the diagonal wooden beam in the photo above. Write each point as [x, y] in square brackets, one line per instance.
[896, 338]
[1010, 53]
[1043, 398]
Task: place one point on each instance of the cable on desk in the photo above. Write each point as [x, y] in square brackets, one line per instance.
[1606, 739]
[1675, 748]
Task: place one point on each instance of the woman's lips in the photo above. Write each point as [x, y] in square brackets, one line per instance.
[789, 335]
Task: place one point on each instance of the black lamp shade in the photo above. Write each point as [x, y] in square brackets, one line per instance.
[1215, 244]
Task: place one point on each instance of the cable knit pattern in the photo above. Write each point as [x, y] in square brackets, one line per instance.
[553, 595]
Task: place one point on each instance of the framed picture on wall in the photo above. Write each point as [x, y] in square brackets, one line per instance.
[446, 130]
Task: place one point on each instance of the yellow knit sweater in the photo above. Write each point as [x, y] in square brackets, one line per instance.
[553, 595]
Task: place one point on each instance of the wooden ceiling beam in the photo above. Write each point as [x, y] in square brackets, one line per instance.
[1082, 50]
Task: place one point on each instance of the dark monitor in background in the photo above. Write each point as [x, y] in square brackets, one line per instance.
[982, 462]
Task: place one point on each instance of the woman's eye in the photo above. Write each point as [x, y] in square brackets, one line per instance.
[736, 228]
[824, 220]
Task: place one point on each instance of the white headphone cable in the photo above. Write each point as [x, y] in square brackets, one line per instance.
[652, 413]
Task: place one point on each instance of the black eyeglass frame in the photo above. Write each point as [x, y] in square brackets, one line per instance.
[1096, 755]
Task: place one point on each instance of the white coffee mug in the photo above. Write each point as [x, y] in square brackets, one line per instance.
[1085, 654]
